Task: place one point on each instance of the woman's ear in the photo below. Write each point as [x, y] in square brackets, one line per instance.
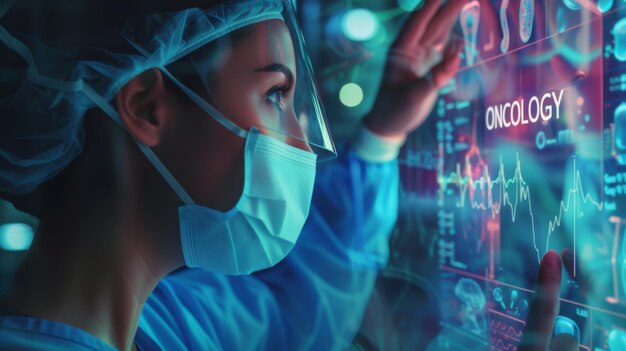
[146, 106]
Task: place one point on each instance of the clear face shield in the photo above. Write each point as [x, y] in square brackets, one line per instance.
[252, 73]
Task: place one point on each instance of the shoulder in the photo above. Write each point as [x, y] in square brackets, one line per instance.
[26, 333]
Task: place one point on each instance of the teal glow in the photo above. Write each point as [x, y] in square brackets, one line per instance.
[410, 5]
[623, 265]
[540, 140]
[588, 253]
[360, 24]
[561, 20]
[571, 55]
[15, 236]
[619, 32]
[351, 95]
[605, 5]
[617, 340]
[620, 123]
[572, 4]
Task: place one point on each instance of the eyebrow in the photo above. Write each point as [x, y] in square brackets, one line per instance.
[279, 67]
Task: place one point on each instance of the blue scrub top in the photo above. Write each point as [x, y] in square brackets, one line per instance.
[312, 300]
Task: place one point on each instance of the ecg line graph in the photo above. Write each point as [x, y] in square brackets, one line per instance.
[468, 187]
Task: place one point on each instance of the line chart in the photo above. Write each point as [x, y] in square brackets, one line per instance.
[512, 193]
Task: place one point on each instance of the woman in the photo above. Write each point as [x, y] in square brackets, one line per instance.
[190, 139]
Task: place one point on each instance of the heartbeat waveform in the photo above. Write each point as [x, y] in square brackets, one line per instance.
[468, 186]
[506, 329]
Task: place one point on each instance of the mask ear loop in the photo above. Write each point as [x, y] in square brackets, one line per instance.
[80, 86]
[210, 110]
[146, 150]
[203, 104]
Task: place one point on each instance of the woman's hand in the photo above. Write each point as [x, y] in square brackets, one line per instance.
[420, 62]
[544, 310]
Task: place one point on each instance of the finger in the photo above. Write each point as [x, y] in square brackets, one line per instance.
[412, 32]
[545, 305]
[449, 66]
[564, 342]
[442, 24]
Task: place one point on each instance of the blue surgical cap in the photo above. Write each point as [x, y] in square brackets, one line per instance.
[41, 128]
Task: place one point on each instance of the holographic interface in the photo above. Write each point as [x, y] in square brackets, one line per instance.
[528, 154]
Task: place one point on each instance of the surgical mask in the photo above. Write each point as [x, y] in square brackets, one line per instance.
[266, 221]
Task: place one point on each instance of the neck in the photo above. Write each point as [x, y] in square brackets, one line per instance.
[96, 280]
[106, 239]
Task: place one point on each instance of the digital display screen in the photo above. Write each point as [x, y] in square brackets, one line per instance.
[525, 152]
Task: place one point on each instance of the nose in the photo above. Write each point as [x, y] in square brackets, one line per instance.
[299, 143]
[295, 129]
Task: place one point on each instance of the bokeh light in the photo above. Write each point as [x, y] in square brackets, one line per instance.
[15, 236]
[360, 24]
[351, 95]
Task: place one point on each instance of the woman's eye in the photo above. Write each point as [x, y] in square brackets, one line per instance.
[275, 98]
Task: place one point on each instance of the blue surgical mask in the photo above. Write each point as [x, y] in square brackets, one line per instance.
[266, 221]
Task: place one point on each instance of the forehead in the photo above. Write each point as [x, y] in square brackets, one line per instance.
[265, 41]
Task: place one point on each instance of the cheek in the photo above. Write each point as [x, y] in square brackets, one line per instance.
[246, 106]
[207, 160]
[240, 100]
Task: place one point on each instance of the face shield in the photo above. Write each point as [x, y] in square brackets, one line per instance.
[253, 72]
